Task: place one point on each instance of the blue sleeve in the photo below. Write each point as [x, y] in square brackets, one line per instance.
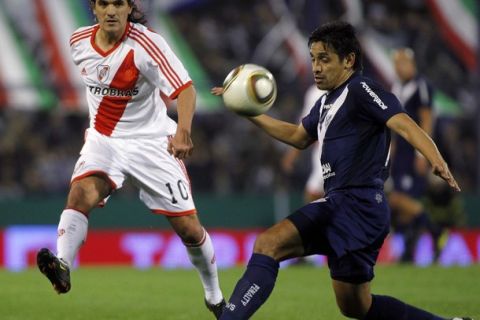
[310, 121]
[374, 101]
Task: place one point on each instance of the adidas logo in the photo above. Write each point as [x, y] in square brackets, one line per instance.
[84, 72]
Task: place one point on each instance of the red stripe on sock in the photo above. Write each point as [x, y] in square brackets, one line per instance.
[198, 244]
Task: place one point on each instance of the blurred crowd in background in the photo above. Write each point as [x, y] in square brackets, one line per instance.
[38, 149]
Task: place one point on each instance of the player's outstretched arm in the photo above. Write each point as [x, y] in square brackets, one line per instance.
[181, 145]
[289, 133]
[407, 128]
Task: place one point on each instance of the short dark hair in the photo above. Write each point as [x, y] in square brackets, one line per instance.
[340, 36]
[137, 16]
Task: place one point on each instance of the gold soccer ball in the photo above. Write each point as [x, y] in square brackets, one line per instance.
[249, 90]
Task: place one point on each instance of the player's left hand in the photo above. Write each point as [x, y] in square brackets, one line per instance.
[443, 172]
[217, 91]
[180, 145]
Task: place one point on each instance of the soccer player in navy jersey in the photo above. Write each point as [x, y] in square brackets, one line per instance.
[352, 124]
[409, 168]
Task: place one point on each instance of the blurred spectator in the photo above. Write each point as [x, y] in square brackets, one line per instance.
[408, 167]
[38, 151]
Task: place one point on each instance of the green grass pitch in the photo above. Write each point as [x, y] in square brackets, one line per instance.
[301, 292]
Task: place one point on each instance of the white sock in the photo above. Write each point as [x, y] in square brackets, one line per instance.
[203, 258]
[72, 233]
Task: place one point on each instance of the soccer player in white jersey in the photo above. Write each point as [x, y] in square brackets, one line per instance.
[125, 67]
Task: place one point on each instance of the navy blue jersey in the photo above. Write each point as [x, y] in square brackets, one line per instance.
[413, 95]
[349, 123]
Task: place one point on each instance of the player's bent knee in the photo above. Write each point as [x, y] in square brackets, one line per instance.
[280, 242]
[266, 244]
[191, 237]
[189, 229]
[85, 195]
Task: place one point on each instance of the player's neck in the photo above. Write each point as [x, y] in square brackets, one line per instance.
[344, 78]
[107, 40]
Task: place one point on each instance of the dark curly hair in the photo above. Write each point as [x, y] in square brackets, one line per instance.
[137, 16]
[340, 36]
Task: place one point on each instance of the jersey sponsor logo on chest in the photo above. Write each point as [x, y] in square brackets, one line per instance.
[113, 92]
[327, 171]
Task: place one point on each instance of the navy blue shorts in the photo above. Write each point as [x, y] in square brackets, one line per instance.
[347, 226]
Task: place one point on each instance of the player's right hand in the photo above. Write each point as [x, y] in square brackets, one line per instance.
[217, 91]
[180, 145]
[443, 172]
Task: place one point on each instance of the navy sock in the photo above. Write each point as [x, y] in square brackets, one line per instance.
[384, 307]
[253, 289]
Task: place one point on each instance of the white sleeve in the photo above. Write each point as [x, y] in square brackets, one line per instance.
[76, 39]
[161, 66]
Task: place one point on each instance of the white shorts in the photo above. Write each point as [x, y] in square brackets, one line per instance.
[161, 178]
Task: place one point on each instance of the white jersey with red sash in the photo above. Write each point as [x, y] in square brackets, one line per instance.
[124, 84]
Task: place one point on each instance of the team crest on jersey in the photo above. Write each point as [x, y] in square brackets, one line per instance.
[103, 71]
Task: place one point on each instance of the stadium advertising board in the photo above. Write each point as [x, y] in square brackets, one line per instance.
[146, 248]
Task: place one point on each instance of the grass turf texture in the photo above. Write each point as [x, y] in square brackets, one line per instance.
[301, 292]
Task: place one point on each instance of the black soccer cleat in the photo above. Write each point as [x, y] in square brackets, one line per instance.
[55, 270]
[216, 309]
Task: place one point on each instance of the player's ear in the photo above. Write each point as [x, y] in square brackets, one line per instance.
[349, 60]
